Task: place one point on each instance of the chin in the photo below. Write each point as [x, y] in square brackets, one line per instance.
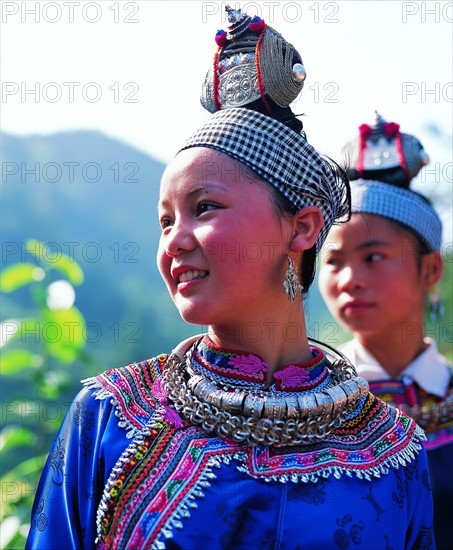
[191, 313]
[357, 326]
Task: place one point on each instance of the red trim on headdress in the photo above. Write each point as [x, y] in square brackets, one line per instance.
[364, 132]
[257, 25]
[258, 69]
[390, 130]
[216, 79]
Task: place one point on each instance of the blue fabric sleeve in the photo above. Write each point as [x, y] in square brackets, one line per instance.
[64, 511]
[416, 484]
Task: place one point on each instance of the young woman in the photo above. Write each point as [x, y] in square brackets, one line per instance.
[377, 271]
[247, 436]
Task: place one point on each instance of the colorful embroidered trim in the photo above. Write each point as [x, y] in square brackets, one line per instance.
[420, 405]
[247, 370]
[129, 391]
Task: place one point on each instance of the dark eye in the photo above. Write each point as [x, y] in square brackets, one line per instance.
[333, 262]
[205, 207]
[165, 222]
[373, 258]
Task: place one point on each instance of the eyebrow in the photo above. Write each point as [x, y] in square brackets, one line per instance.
[361, 246]
[198, 190]
[368, 244]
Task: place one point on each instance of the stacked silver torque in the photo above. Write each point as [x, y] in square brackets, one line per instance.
[263, 417]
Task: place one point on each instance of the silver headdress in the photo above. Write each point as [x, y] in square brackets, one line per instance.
[382, 161]
[383, 147]
[252, 61]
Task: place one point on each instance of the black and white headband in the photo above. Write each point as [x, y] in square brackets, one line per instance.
[398, 204]
[280, 156]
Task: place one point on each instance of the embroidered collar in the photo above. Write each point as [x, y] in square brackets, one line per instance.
[234, 368]
[430, 370]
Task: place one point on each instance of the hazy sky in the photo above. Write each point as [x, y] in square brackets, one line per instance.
[134, 69]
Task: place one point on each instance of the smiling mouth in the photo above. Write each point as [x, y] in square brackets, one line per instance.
[191, 275]
[356, 307]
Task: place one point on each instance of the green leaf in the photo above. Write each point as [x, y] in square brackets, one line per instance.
[15, 360]
[13, 436]
[64, 334]
[53, 383]
[63, 263]
[18, 275]
[69, 268]
[28, 330]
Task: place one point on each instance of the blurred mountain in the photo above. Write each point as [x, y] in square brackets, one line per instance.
[93, 198]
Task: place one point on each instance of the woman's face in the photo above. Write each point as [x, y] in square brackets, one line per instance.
[222, 251]
[371, 278]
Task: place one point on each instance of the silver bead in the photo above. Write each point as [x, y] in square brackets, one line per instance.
[424, 157]
[299, 74]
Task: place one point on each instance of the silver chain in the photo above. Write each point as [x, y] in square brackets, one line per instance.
[256, 431]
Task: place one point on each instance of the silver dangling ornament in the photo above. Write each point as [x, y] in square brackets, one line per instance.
[291, 284]
[436, 308]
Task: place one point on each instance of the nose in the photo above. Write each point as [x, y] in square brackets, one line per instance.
[178, 239]
[350, 278]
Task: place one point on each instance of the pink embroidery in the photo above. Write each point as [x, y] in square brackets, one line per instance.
[292, 376]
[187, 466]
[173, 417]
[307, 460]
[367, 454]
[159, 392]
[122, 384]
[159, 503]
[134, 408]
[248, 364]
[137, 539]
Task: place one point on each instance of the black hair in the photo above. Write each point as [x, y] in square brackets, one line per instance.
[282, 114]
[284, 206]
[308, 264]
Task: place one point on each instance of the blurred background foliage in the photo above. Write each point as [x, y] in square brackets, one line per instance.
[89, 202]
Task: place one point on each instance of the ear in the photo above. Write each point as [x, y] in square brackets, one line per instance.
[432, 267]
[307, 224]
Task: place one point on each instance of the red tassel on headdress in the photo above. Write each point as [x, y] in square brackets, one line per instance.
[216, 79]
[391, 129]
[221, 38]
[364, 132]
[258, 68]
[257, 25]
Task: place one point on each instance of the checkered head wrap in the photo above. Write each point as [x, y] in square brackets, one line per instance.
[279, 156]
[401, 205]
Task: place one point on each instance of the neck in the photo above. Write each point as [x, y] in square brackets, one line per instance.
[275, 342]
[397, 350]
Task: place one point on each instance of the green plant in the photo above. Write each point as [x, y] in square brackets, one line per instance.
[58, 339]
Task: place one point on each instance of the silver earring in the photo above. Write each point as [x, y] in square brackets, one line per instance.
[291, 284]
[436, 308]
